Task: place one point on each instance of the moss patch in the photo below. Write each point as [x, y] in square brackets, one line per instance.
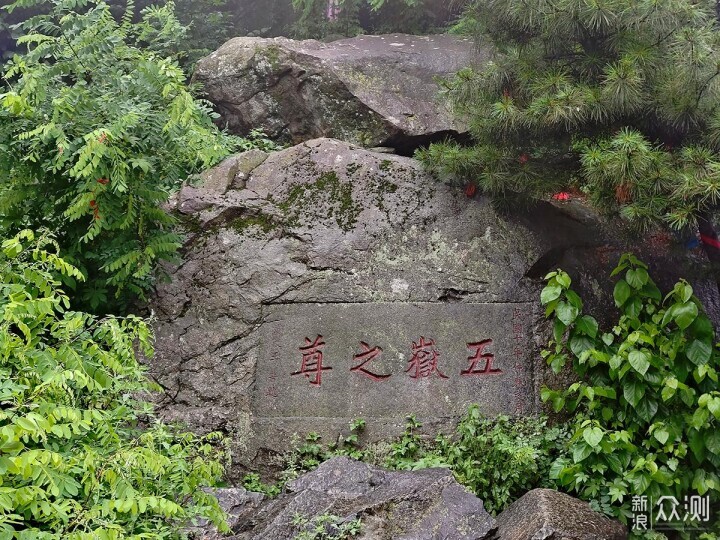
[246, 225]
[326, 198]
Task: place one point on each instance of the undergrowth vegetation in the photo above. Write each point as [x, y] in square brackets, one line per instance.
[82, 456]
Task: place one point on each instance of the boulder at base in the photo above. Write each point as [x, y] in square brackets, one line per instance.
[326, 283]
[402, 505]
[546, 513]
[368, 90]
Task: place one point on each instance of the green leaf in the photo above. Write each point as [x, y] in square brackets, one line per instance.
[637, 277]
[566, 313]
[563, 279]
[647, 408]
[712, 441]
[714, 407]
[580, 344]
[633, 391]
[581, 451]
[587, 325]
[699, 352]
[550, 293]
[593, 436]
[685, 314]
[639, 361]
[621, 293]
[661, 435]
[696, 442]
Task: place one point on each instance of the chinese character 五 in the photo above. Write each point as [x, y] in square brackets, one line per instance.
[480, 356]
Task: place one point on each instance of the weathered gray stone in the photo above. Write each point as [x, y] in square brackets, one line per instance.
[544, 514]
[413, 505]
[368, 90]
[329, 239]
[239, 504]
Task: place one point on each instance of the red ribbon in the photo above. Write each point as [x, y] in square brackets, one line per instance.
[714, 242]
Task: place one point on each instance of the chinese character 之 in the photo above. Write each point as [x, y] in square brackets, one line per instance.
[366, 356]
[480, 357]
[424, 361]
[312, 360]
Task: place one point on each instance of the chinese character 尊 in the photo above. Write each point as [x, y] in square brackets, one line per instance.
[424, 361]
[312, 360]
[480, 356]
[366, 356]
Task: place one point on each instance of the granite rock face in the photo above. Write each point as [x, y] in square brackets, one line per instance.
[368, 90]
[325, 283]
[412, 505]
[548, 514]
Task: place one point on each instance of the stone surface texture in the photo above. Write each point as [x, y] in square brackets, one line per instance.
[406, 505]
[397, 505]
[368, 90]
[367, 244]
[544, 514]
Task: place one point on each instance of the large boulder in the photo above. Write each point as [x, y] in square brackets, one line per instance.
[548, 514]
[325, 283]
[368, 90]
[403, 505]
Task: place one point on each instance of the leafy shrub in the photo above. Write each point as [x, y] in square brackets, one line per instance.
[97, 127]
[74, 461]
[647, 410]
[498, 459]
[326, 527]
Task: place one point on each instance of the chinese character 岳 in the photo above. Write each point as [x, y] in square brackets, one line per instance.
[424, 361]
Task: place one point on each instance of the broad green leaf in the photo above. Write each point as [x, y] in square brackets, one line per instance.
[661, 435]
[587, 325]
[696, 442]
[699, 352]
[566, 313]
[685, 314]
[647, 408]
[636, 277]
[550, 293]
[712, 441]
[639, 361]
[633, 391]
[621, 293]
[581, 451]
[593, 436]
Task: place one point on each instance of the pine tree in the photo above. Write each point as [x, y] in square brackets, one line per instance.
[618, 98]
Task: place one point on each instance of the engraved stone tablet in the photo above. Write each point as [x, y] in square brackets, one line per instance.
[390, 360]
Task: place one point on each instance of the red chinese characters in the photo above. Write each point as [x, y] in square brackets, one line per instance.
[312, 360]
[366, 356]
[424, 361]
[480, 358]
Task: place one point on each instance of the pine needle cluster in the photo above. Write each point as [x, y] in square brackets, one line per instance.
[617, 98]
